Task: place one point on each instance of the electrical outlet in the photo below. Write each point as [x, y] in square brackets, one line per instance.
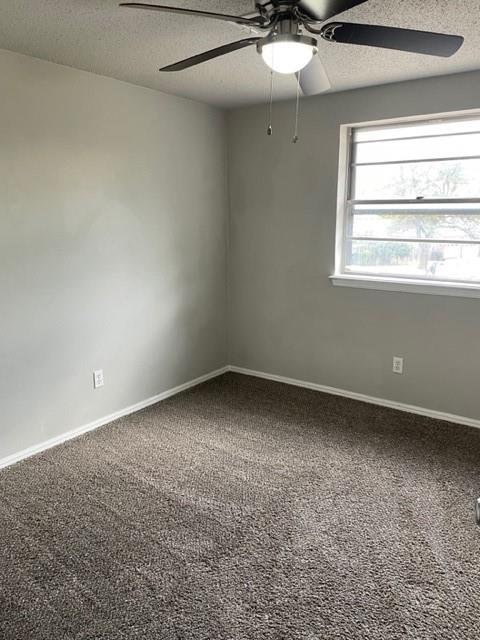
[397, 364]
[98, 380]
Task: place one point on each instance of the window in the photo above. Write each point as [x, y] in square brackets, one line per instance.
[409, 212]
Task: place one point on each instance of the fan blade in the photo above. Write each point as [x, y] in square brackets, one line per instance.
[427, 42]
[321, 10]
[314, 79]
[252, 22]
[209, 55]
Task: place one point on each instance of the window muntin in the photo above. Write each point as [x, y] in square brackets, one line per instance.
[413, 201]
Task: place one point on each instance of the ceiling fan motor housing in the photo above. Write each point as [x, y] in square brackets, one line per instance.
[270, 7]
[275, 10]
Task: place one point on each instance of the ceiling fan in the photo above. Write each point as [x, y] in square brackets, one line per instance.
[291, 29]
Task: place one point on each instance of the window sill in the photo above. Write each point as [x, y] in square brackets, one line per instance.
[405, 285]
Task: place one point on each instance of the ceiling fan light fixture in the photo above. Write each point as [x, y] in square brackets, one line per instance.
[287, 53]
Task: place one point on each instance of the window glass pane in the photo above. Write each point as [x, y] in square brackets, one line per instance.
[418, 148]
[417, 161]
[414, 129]
[434, 222]
[457, 262]
[449, 179]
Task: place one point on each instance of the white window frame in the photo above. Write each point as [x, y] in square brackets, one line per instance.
[386, 283]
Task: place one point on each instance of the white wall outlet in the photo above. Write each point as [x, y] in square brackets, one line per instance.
[397, 364]
[98, 380]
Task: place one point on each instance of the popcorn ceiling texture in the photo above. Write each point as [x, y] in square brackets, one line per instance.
[245, 509]
[98, 36]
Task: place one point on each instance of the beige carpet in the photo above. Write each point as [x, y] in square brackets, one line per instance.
[246, 509]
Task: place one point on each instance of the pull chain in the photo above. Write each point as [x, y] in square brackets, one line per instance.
[270, 106]
[297, 109]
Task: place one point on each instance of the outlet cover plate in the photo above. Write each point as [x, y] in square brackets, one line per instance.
[397, 365]
[98, 380]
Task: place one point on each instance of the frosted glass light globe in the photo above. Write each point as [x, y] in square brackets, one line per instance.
[287, 56]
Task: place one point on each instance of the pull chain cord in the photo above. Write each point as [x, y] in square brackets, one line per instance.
[270, 106]
[297, 109]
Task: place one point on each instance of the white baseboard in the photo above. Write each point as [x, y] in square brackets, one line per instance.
[400, 406]
[409, 408]
[53, 442]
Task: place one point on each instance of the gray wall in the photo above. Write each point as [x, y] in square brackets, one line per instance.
[112, 246]
[113, 240]
[285, 316]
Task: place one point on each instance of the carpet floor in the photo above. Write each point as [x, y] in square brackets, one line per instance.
[246, 509]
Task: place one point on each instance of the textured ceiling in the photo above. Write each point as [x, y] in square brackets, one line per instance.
[97, 36]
